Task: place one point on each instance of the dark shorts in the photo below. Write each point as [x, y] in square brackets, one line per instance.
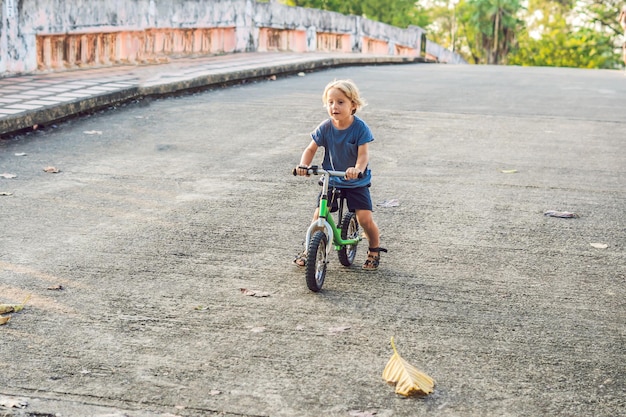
[357, 199]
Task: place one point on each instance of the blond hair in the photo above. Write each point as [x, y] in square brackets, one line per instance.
[349, 88]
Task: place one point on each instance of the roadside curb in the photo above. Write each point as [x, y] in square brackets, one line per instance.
[160, 82]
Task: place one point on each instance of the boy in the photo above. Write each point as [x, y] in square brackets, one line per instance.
[345, 138]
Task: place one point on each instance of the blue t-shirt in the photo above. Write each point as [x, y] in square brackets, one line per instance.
[341, 149]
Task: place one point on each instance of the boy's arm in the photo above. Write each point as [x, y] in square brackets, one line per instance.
[362, 160]
[307, 158]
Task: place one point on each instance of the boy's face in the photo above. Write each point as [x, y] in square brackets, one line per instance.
[340, 107]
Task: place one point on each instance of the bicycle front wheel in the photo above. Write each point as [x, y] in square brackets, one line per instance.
[349, 230]
[316, 262]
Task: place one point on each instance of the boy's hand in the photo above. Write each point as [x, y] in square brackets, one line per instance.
[352, 173]
[302, 170]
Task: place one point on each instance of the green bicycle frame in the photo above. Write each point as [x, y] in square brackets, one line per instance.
[325, 219]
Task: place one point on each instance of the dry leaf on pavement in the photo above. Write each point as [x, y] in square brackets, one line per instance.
[56, 288]
[338, 329]
[13, 308]
[362, 413]
[599, 245]
[13, 402]
[407, 378]
[8, 176]
[51, 170]
[561, 214]
[254, 293]
[394, 202]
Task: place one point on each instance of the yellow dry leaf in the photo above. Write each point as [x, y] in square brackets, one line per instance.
[13, 308]
[3, 320]
[6, 308]
[407, 378]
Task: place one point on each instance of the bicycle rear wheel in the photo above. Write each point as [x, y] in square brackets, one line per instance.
[316, 262]
[349, 230]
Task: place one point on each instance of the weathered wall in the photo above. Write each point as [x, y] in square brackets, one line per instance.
[52, 35]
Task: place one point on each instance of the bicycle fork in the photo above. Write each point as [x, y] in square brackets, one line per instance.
[322, 225]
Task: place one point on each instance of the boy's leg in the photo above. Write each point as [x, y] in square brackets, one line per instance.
[372, 233]
[366, 221]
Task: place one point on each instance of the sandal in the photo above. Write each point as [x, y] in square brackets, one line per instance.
[300, 260]
[372, 261]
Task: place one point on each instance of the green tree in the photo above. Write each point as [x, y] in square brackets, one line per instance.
[443, 28]
[603, 14]
[401, 13]
[490, 28]
[553, 38]
[573, 33]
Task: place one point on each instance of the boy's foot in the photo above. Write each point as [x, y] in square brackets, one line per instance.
[300, 260]
[373, 259]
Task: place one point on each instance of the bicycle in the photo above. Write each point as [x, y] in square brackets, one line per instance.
[345, 234]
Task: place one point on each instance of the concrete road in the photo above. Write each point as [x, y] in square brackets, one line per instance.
[135, 253]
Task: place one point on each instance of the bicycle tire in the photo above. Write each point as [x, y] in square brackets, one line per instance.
[349, 230]
[316, 262]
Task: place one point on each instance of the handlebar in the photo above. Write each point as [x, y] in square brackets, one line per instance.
[315, 170]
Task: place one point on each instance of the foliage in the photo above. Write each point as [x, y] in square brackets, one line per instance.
[443, 27]
[603, 14]
[584, 48]
[401, 13]
[555, 39]
[552, 41]
[570, 33]
[490, 28]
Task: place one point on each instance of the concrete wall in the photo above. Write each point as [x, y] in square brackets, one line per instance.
[54, 35]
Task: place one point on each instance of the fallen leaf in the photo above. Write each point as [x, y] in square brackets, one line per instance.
[92, 132]
[13, 308]
[56, 288]
[201, 308]
[5, 193]
[13, 402]
[215, 392]
[338, 329]
[599, 245]
[407, 378]
[508, 171]
[51, 170]
[20, 154]
[389, 203]
[561, 214]
[4, 319]
[8, 176]
[254, 293]
[362, 413]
